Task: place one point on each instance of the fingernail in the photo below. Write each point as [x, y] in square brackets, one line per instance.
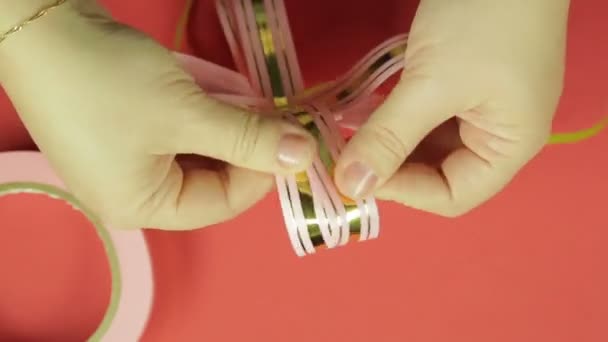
[359, 180]
[293, 151]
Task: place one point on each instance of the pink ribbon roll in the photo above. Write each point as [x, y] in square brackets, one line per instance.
[128, 256]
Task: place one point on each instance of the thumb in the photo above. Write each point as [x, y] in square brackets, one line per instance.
[377, 150]
[249, 140]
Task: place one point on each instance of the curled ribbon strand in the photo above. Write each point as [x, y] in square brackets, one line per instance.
[316, 215]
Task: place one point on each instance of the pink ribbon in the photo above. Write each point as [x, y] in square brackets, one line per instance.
[344, 103]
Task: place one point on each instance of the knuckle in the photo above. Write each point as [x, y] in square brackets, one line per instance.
[388, 143]
[161, 204]
[246, 138]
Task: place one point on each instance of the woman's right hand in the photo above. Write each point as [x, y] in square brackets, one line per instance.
[111, 109]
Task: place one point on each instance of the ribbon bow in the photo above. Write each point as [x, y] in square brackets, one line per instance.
[269, 80]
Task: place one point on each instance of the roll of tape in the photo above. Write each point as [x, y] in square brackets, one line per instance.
[127, 252]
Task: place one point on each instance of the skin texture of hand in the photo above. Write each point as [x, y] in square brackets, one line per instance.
[475, 103]
[114, 113]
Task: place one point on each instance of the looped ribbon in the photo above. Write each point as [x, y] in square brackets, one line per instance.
[316, 215]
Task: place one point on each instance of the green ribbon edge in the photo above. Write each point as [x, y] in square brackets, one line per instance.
[578, 136]
[102, 232]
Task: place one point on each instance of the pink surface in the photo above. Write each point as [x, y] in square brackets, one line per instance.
[528, 266]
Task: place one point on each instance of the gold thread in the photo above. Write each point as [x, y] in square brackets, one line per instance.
[578, 136]
[41, 13]
[305, 118]
[180, 31]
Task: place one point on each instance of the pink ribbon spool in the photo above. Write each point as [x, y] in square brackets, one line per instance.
[128, 256]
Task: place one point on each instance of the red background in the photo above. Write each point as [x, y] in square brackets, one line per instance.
[530, 265]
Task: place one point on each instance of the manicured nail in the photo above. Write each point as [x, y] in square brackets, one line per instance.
[294, 150]
[359, 180]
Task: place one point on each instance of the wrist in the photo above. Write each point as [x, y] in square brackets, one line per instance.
[44, 37]
[14, 11]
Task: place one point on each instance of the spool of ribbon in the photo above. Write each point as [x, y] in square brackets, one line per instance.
[127, 252]
[316, 214]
